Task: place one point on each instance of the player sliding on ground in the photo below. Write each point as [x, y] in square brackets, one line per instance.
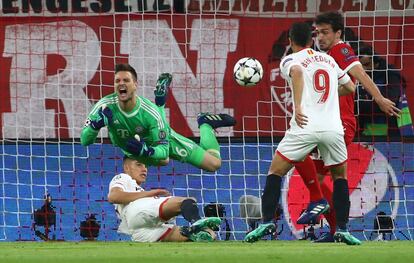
[330, 30]
[313, 78]
[126, 115]
[145, 214]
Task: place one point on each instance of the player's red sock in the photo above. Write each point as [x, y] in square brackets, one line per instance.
[309, 176]
[330, 216]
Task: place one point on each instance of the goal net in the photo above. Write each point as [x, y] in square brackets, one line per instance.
[57, 59]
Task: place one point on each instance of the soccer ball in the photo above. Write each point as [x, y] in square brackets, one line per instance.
[248, 72]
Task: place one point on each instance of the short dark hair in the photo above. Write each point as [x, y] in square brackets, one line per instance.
[301, 34]
[126, 67]
[333, 18]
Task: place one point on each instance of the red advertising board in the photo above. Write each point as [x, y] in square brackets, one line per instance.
[54, 68]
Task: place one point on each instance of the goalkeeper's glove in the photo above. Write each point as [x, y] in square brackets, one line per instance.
[138, 147]
[104, 118]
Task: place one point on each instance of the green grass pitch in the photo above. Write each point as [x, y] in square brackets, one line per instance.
[222, 251]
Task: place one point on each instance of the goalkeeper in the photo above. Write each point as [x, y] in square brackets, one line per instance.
[140, 129]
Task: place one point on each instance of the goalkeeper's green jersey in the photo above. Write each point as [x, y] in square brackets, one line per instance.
[145, 120]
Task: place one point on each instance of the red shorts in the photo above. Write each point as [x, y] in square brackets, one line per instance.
[349, 131]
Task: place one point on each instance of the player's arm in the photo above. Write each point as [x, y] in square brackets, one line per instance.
[88, 135]
[298, 83]
[346, 86]
[99, 116]
[346, 89]
[162, 145]
[160, 133]
[386, 105]
[118, 196]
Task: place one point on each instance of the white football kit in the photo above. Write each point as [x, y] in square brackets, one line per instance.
[320, 103]
[142, 218]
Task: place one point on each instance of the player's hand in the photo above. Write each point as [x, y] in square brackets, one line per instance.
[388, 107]
[104, 118]
[160, 192]
[138, 147]
[300, 118]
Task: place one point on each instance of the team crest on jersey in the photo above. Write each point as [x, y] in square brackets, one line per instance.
[139, 129]
[162, 135]
[345, 51]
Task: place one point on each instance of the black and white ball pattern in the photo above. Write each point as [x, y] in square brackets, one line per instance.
[248, 71]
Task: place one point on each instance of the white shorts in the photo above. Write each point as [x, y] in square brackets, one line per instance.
[331, 145]
[143, 219]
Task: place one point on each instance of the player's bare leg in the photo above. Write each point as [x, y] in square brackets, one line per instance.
[342, 205]
[175, 236]
[270, 198]
[172, 207]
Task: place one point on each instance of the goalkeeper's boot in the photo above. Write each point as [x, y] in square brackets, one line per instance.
[215, 120]
[342, 235]
[161, 89]
[202, 236]
[325, 238]
[313, 211]
[208, 222]
[261, 231]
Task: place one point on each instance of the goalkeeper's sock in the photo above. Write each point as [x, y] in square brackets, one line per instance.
[330, 216]
[341, 202]
[307, 171]
[208, 140]
[189, 210]
[270, 197]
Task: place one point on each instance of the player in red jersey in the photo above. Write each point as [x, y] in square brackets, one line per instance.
[330, 30]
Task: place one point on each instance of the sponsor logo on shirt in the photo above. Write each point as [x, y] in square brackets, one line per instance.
[350, 58]
[163, 142]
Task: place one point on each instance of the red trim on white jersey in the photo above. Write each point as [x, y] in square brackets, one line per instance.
[165, 234]
[351, 65]
[284, 157]
[160, 215]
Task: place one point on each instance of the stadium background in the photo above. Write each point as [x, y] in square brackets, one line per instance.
[57, 62]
